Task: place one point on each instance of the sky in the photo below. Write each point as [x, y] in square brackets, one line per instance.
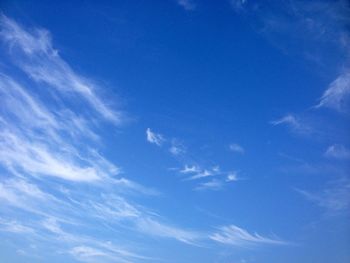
[175, 131]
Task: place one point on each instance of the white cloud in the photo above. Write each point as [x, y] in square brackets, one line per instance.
[45, 139]
[334, 198]
[232, 177]
[217, 183]
[34, 54]
[155, 138]
[41, 142]
[85, 252]
[15, 227]
[35, 158]
[210, 185]
[201, 174]
[177, 148]
[337, 94]
[117, 209]
[294, 123]
[337, 151]
[187, 4]
[105, 252]
[190, 169]
[156, 228]
[236, 236]
[234, 147]
[22, 194]
[197, 172]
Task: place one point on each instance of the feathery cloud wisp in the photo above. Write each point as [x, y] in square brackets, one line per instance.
[34, 54]
[234, 147]
[337, 151]
[292, 122]
[337, 94]
[153, 137]
[236, 236]
[334, 198]
[214, 184]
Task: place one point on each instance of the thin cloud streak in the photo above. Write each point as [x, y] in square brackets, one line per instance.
[337, 94]
[234, 147]
[293, 123]
[334, 198]
[337, 151]
[236, 236]
[34, 54]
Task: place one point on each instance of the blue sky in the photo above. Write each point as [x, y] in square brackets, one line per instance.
[175, 131]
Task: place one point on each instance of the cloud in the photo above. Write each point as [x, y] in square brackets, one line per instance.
[24, 195]
[322, 27]
[114, 208]
[34, 54]
[238, 5]
[198, 172]
[85, 253]
[210, 185]
[234, 147]
[232, 177]
[43, 136]
[37, 159]
[337, 94]
[195, 173]
[15, 227]
[337, 151]
[294, 123]
[334, 198]
[52, 173]
[177, 148]
[202, 174]
[46, 139]
[154, 138]
[236, 236]
[156, 228]
[190, 169]
[187, 4]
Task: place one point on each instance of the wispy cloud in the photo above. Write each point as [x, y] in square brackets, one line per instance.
[337, 151]
[154, 138]
[334, 198]
[53, 173]
[232, 177]
[188, 5]
[15, 227]
[236, 236]
[38, 159]
[214, 184]
[156, 228]
[197, 173]
[190, 169]
[34, 53]
[337, 94]
[177, 148]
[234, 147]
[293, 123]
[49, 152]
[117, 209]
[321, 26]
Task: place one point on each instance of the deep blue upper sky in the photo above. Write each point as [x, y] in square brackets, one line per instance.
[175, 131]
